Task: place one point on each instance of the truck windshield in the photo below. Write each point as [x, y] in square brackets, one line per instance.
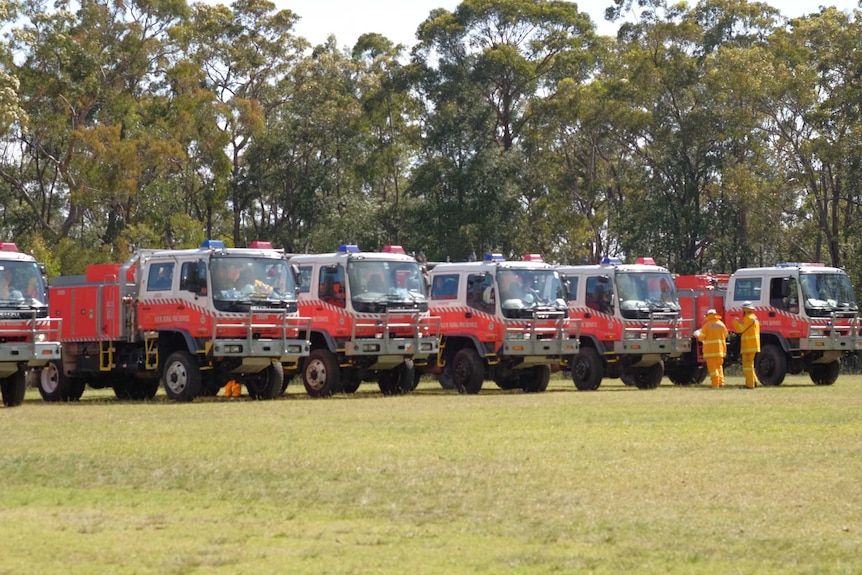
[377, 286]
[263, 281]
[826, 292]
[529, 289]
[643, 293]
[21, 284]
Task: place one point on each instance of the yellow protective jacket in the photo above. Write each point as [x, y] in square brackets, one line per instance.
[749, 331]
[713, 335]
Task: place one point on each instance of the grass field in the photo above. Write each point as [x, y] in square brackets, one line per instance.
[672, 480]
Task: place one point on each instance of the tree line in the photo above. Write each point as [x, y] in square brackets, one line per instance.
[709, 136]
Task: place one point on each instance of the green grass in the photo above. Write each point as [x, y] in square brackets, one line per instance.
[672, 480]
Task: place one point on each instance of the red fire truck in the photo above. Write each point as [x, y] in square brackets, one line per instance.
[369, 320]
[193, 318]
[500, 320]
[631, 323]
[29, 339]
[808, 317]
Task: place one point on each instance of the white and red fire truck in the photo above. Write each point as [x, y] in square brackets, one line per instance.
[193, 318]
[29, 339]
[631, 322]
[808, 317]
[369, 320]
[500, 320]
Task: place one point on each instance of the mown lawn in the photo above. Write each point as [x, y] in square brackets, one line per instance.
[672, 480]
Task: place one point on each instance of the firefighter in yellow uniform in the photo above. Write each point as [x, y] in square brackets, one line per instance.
[713, 335]
[749, 334]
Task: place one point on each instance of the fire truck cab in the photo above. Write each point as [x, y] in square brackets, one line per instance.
[193, 318]
[500, 320]
[369, 320]
[29, 339]
[631, 322]
[808, 315]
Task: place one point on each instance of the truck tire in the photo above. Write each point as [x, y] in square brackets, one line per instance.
[770, 365]
[182, 376]
[445, 381]
[351, 380]
[824, 373]
[468, 371]
[321, 375]
[587, 369]
[536, 379]
[509, 381]
[127, 389]
[689, 375]
[55, 385]
[267, 383]
[13, 388]
[645, 377]
[397, 381]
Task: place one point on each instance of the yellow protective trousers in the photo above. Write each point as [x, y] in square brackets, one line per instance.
[715, 367]
[748, 370]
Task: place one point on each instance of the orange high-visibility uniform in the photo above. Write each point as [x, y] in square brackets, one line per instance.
[749, 347]
[713, 335]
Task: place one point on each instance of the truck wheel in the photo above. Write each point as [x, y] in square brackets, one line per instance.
[55, 385]
[135, 389]
[645, 377]
[351, 380]
[468, 371]
[509, 381]
[445, 381]
[587, 369]
[182, 376]
[267, 384]
[770, 365]
[13, 388]
[536, 379]
[686, 375]
[824, 373]
[321, 375]
[397, 381]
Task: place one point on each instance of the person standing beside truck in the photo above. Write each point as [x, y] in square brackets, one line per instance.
[713, 336]
[749, 340]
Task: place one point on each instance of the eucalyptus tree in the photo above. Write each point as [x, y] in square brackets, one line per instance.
[693, 130]
[247, 52]
[815, 108]
[304, 168]
[478, 68]
[86, 81]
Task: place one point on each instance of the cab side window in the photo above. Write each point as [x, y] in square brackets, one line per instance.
[598, 295]
[160, 277]
[481, 294]
[444, 286]
[571, 288]
[331, 286]
[747, 289]
[305, 275]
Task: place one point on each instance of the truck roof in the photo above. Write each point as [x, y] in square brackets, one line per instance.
[338, 257]
[787, 269]
[488, 266]
[592, 268]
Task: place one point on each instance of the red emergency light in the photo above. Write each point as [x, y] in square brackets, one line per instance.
[260, 245]
[390, 249]
[646, 261]
[8, 247]
[533, 258]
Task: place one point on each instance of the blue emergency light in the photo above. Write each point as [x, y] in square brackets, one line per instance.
[611, 261]
[348, 249]
[213, 245]
[495, 257]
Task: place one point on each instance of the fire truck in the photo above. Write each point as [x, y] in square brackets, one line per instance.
[29, 339]
[808, 317]
[631, 322]
[501, 320]
[193, 319]
[369, 320]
